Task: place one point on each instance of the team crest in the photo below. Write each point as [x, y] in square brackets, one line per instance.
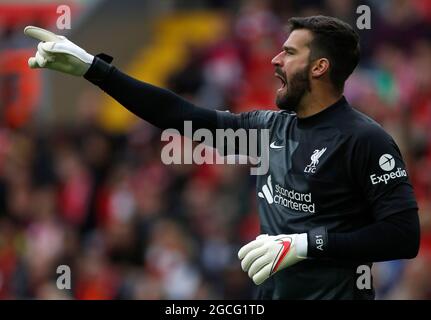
[311, 168]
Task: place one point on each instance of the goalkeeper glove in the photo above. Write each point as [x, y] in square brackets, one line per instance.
[58, 53]
[266, 255]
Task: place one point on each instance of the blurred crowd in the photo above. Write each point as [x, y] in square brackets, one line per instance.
[130, 227]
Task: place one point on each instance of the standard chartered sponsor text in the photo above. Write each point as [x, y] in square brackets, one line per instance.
[294, 200]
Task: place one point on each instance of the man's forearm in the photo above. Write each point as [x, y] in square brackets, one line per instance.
[396, 237]
[158, 106]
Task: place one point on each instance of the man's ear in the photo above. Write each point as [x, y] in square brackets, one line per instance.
[320, 67]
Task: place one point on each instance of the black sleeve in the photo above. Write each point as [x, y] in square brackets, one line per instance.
[379, 173]
[165, 109]
[395, 237]
[160, 107]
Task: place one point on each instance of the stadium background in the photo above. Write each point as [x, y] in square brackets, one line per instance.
[81, 181]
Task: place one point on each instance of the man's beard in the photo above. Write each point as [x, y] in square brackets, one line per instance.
[296, 87]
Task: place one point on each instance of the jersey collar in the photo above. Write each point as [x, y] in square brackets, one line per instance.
[322, 115]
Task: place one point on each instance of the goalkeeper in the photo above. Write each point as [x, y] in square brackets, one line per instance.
[337, 194]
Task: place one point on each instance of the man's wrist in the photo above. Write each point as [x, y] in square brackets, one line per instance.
[302, 245]
[100, 68]
[317, 242]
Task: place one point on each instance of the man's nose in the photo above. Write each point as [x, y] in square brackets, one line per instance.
[276, 61]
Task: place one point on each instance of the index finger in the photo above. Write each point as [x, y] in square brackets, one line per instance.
[41, 34]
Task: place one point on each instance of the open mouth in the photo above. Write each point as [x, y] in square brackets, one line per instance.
[283, 81]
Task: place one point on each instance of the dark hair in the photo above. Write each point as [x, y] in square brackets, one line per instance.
[332, 39]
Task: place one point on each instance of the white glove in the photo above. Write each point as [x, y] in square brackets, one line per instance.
[57, 53]
[269, 254]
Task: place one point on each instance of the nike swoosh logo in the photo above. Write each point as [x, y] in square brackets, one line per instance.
[273, 146]
[281, 254]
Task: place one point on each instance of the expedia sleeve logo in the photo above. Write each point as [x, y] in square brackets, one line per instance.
[387, 163]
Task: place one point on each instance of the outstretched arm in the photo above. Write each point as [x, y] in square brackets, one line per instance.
[158, 106]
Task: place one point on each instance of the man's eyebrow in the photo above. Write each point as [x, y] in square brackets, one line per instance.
[289, 48]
